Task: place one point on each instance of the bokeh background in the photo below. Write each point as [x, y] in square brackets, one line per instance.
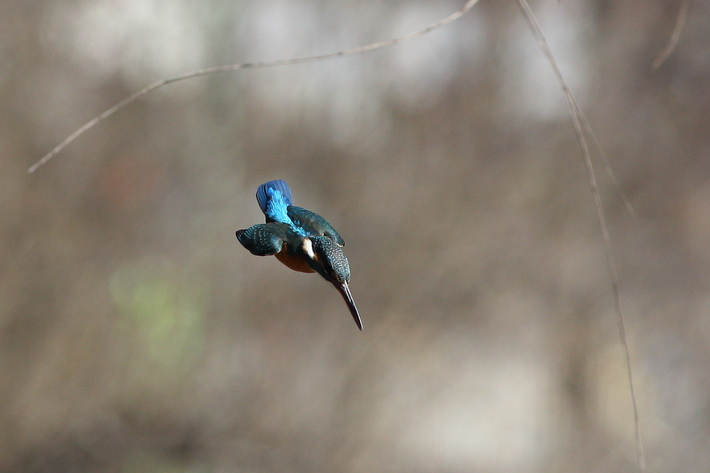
[137, 335]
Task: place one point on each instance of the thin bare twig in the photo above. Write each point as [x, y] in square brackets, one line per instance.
[607, 166]
[247, 65]
[675, 36]
[575, 115]
[578, 118]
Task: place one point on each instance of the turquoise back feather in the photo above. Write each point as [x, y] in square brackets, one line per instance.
[274, 198]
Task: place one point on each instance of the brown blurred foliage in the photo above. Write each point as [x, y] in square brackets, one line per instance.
[138, 335]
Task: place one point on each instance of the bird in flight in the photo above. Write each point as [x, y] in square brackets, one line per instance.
[302, 240]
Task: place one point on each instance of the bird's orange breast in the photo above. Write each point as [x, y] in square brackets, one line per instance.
[293, 261]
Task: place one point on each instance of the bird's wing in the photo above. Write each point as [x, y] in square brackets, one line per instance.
[263, 239]
[313, 223]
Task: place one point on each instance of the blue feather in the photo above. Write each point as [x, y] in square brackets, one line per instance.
[274, 197]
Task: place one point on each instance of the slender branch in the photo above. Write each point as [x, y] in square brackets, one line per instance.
[575, 115]
[247, 65]
[675, 36]
[607, 166]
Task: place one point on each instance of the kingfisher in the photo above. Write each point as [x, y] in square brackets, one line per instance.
[302, 240]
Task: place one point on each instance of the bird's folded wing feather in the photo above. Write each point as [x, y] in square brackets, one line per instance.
[314, 223]
[263, 239]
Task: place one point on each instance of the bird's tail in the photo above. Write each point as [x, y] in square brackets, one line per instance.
[274, 197]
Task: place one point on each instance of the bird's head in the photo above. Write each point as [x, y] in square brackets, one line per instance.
[327, 258]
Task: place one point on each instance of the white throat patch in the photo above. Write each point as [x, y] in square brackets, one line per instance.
[308, 248]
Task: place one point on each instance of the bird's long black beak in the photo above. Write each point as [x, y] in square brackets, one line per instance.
[345, 292]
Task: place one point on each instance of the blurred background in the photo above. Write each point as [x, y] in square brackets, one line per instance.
[137, 335]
